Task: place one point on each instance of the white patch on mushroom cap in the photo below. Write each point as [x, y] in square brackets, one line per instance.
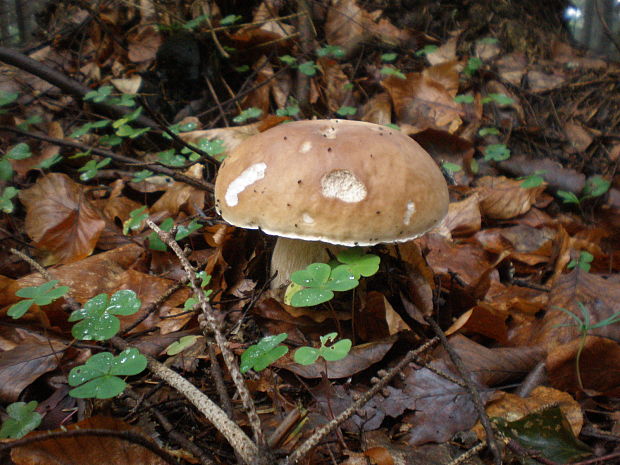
[307, 218]
[343, 185]
[306, 147]
[249, 176]
[328, 132]
[409, 213]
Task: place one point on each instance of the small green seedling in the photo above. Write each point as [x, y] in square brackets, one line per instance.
[473, 65]
[426, 50]
[594, 187]
[194, 23]
[92, 167]
[99, 95]
[259, 356]
[464, 98]
[141, 176]
[22, 419]
[500, 99]
[496, 152]
[127, 131]
[451, 167]
[183, 343]
[136, 218]
[6, 199]
[317, 283]
[488, 131]
[533, 180]
[248, 113]
[346, 111]
[584, 326]
[6, 98]
[214, 148]
[331, 50]
[288, 59]
[41, 295]
[86, 128]
[99, 377]
[289, 110]
[389, 71]
[230, 20]
[309, 68]
[388, 57]
[171, 158]
[20, 151]
[98, 320]
[337, 351]
[583, 262]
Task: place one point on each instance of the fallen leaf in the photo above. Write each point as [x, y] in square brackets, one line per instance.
[60, 219]
[503, 198]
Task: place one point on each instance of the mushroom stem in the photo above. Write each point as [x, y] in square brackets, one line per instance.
[290, 255]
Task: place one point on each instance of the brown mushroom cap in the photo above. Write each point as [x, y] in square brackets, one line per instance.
[336, 181]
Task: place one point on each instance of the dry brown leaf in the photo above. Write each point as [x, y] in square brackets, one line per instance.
[182, 197]
[347, 25]
[378, 109]
[60, 219]
[503, 198]
[541, 81]
[423, 102]
[598, 366]
[446, 52]
[143, 43]
[334, 83]
[512, 68]
[45, 151]
[463, 218]
[512, 407]
[81, 450]
[579, 139]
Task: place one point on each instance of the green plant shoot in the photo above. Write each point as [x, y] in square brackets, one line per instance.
[337, 351]
[259, 356]
[41, 295]
[22, 419]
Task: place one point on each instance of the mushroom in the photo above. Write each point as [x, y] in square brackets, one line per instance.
[321, 184]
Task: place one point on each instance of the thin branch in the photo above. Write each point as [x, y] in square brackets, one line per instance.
[129, 436]
[473, 391]
[202, 185]
[324, 430]
[222, 343]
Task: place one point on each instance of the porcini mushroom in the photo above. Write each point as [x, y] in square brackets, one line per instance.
[320, 183]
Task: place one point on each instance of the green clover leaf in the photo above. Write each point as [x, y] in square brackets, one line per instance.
[98, 320]
[260, 356]
[99, 376]
[22, 419]
[41, 295]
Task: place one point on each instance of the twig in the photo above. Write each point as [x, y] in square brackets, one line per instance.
[177, 437]
[468, 454]
[305, 39]
[32, 263]
[212, 412]
[64, 83]
[324, 430]
[222, 343]
[202, 185]
[473, 391]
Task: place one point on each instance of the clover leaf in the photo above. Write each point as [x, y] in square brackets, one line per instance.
[359, 263]
[98, 320]
[99, 377]
[319, 281]
[337, 351]
[22, 419]
[41, 295]
[260, 356]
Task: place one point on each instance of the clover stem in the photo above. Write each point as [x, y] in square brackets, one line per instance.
[582, 344]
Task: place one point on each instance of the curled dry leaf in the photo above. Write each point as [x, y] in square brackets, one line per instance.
[347, 25]
[143, 44]
[230, 137]
[502, 198]
[182, 197]
[541, 81]
[423, 102]
[60, 219]
[378, 109]
[463, 218]
[335, 81]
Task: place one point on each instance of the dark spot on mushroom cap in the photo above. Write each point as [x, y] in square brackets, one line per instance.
[299, 181]
[288, 204]
[295, 224]
[284, 137]
[356, 243]
[378, 212]
[401, 233]
[329, 149]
